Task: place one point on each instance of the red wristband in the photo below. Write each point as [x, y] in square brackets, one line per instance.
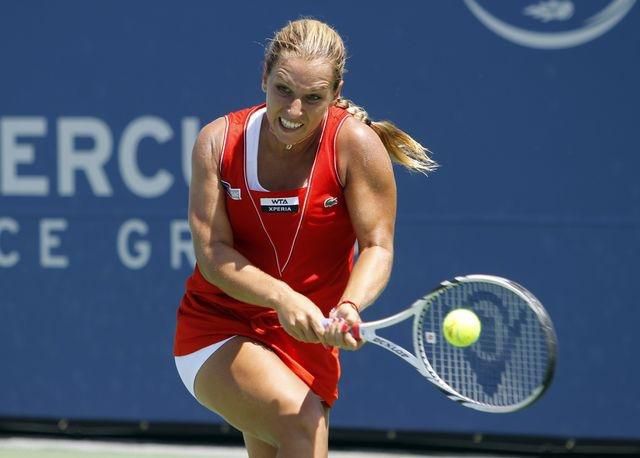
[352, 304]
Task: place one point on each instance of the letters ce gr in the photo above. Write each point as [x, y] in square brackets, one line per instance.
[85, 146]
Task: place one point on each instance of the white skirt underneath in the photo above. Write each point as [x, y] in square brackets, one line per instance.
[189, 365]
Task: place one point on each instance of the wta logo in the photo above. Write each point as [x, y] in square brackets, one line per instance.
[549, 24]
[279, 204]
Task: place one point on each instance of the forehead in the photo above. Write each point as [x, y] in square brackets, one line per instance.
[304, 73]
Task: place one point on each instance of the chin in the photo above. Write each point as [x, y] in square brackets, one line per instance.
[289, 138]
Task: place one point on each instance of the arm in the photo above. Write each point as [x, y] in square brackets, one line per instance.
[370, 193]
[222, 265]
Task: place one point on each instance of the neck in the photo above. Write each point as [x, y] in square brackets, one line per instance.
[298, 147]
[289, 149]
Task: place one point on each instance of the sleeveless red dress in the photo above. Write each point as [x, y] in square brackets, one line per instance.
[302, 236]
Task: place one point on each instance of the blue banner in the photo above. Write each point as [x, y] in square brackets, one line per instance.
[530, 107]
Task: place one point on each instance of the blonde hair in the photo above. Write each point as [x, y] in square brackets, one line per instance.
[312, 39]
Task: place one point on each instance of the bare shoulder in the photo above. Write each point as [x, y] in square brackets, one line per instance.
[215, 127]
[361, 152]
[357, 136]
[209, 143]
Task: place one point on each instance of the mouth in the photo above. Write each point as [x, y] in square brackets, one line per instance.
[289, 125]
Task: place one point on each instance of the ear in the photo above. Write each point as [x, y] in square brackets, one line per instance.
[338, 91]
[264, 78]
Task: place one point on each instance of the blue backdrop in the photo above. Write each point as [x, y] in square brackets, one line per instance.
[531, 107]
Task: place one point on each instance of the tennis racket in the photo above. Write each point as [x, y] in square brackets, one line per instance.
[506, 369]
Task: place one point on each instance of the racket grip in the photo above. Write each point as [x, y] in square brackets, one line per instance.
[354, 330]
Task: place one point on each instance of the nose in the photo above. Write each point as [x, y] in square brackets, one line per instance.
[295, 109]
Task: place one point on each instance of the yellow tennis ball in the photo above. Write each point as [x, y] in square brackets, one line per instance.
[461, 327]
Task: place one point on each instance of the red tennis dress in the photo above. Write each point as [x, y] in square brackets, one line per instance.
[302, 236]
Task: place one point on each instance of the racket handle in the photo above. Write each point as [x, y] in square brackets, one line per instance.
[353, 330]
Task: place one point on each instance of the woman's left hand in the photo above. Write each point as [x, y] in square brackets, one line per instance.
[337, 334]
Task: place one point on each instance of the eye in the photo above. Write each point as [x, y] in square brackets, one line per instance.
[313, 98]
[282, 89]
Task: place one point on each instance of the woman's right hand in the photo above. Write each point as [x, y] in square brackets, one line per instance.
[301, 318]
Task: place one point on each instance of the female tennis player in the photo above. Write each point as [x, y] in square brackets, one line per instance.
[280, 193]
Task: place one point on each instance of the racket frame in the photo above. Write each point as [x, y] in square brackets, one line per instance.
[367, 331]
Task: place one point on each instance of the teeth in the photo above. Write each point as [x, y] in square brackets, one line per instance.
[290, 124]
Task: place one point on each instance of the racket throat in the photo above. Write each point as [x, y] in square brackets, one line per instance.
[370, 336]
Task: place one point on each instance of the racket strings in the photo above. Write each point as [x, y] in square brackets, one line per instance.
[507, 365]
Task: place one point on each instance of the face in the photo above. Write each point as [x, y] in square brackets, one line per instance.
[299, 92]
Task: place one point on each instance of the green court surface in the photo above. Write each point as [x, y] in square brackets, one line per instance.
[52, 448]
[61, 448]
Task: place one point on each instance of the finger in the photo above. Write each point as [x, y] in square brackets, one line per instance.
[350, 343]
[318, 329]
[334, 335]
[345, 327]
[315, 330]
[329, 334]
[309, 336]
[309, 332]
[342, 335]
[293, 333]
[297, 332]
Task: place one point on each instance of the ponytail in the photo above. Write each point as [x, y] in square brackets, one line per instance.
[312, 39]
[403, 149]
